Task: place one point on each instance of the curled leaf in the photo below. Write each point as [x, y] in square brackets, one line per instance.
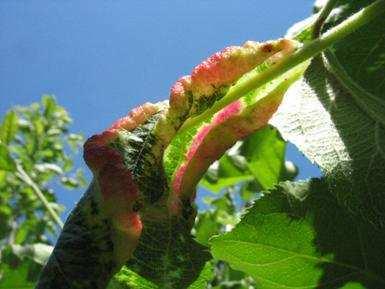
[139, 211]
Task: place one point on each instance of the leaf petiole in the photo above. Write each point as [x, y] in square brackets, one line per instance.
[22, 175]
[307, 51]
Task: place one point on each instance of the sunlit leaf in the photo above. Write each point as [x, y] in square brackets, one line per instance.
[6, 161]
[9, 127]
[226, 175]
[299, 236]
[38, 252]
[265, 154]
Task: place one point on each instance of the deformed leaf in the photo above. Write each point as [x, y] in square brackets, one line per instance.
[139, 211]
[196, 146]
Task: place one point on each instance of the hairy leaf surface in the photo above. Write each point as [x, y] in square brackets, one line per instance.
[321, 118]
[336, 115]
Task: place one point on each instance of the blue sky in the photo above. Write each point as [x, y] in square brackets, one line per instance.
[102, 58]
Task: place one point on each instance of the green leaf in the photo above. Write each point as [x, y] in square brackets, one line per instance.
[260, 157]
[38, 252]
[49, 104]
[49, 167]
[2, 177]
[336, 115]
[8, 128]
[16, 278]
[158, 246]
[204, 277]
[349, 99]
[359, 60]
[16, 272]
[205, 137]
[167, 254]
[322, 120]
[127, 279]
[206, 227]
[302, 30]
[265, 155]
[6, 161]
[225, 175]
[298, 236]
[146, 167]
[75, 140]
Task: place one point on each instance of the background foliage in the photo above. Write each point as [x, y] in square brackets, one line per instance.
[36, 151]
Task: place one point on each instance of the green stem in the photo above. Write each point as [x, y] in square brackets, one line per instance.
[323, 14]
[22, 174]
[256, 79]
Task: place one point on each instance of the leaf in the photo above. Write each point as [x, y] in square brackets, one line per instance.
[16, 273]
[69, 183]
[260, 157]
[49, 167]
[265, 155]
[127, 279]
[16, 278]
[359, 60]
[225, 175]
[105, 232]
[8, 128]
[183, 172]
[204, 276]
[206, 227]
[167, 254]
[321, 119]
[298, 236]
[74, 141]
[302, 30]
[139, 211]
[2, 177]
[38, 252]
[49, 104]
[336, 115]
[204, 138]
[6, 161]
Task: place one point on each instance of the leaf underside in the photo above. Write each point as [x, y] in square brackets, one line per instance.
[335, 115]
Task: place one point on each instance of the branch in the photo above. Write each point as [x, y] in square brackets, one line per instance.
[22, 174]
[323, 14]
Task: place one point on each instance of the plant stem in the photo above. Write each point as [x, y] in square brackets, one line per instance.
[256, 79]
[22, 174]
[323, 14]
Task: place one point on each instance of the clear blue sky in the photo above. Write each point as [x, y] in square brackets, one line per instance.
[102, 58]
